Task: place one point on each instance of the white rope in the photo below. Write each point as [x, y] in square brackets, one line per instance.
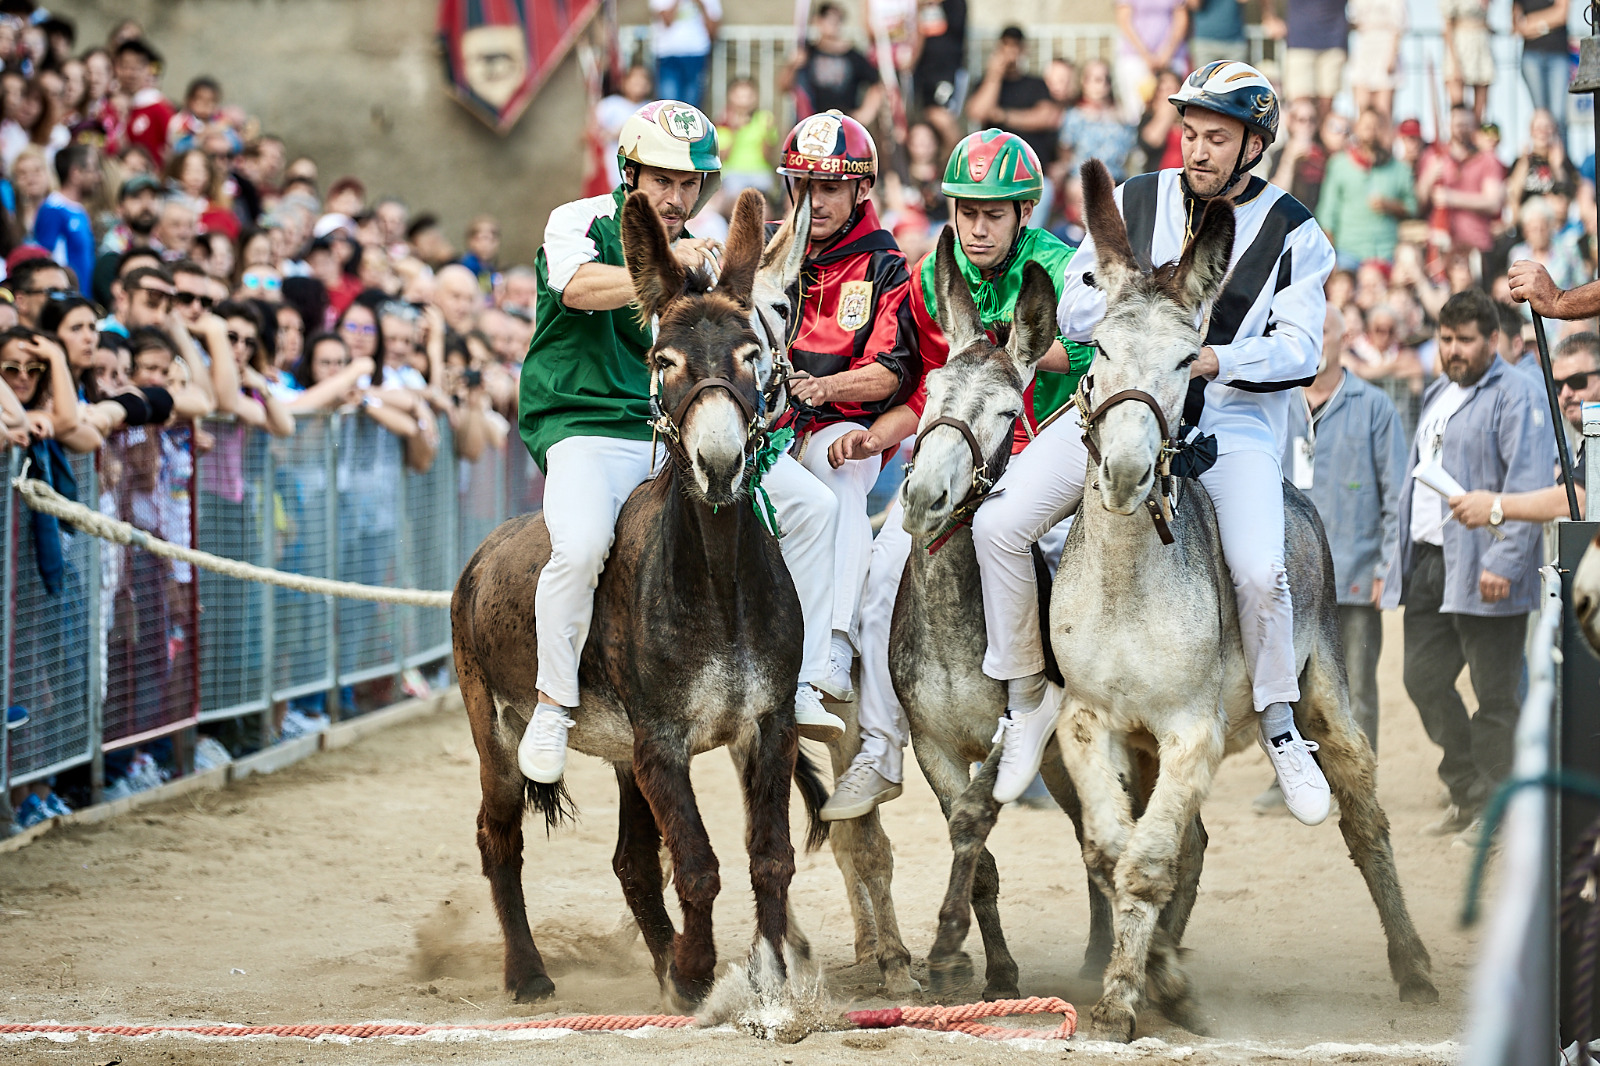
[39, 496]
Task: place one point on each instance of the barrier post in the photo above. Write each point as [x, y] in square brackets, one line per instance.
[7, 620]
[269, 557]
[330, 456]
[97, 638]
[1591, 471]
[399, 616]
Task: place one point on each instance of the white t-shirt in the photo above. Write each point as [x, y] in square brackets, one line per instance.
[686, 35]
[1429, 509]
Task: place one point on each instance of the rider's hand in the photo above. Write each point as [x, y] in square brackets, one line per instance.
[1205, 364]
[810, 390]
[695, 252]
[1492, 587]
[857, 444]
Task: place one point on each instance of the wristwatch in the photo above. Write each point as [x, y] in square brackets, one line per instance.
[1497, 514]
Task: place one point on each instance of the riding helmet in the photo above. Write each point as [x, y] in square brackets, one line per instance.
[830, 146]
[993, 165]
[672, 135]
[1236, 90]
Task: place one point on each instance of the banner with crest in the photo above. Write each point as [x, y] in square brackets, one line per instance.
[497, 53]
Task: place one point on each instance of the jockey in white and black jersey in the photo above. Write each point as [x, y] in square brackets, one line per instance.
[1263, 337]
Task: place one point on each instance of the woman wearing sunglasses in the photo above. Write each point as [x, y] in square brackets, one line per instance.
[359, 328]
[34, 369]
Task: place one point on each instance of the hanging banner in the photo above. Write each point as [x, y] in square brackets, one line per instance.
[497, 53]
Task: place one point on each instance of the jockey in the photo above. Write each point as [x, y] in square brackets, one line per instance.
[993, 181]
[585, 417]
[850, 341]
[1262, 337]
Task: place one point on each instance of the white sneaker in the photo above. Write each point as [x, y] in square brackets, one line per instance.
[837, 683]
[1305, 790]
[1023, 736]
[858, 790]
[542, 754]
[816, 722]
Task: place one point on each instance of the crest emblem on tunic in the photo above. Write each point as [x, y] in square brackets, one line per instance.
[855, 305]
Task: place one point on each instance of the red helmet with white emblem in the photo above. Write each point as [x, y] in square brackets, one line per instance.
[830, 146]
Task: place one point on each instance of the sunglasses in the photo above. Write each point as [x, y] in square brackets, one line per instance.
[32, 370]
[240, 338]
[186, 299]
[266, 284]
[1576, 382]
[360, 329]
[155, 297]
[41, 292]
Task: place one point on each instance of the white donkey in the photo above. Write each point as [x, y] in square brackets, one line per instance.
[1586, 594]
[1146, 634]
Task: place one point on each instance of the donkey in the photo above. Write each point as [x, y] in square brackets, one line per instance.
[1586, 594]
[937, 638]
[1147, 635]
[695, 643]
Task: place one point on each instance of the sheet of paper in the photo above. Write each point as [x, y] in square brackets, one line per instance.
[1434, 476]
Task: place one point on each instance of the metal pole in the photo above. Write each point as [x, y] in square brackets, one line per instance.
[1555, 418]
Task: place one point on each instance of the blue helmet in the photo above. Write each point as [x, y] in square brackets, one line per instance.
[1236, 90]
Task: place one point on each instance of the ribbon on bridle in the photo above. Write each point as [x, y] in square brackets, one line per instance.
[982, 486]
[1160, 502]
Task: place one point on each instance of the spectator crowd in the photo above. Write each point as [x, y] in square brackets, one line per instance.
[169, 262]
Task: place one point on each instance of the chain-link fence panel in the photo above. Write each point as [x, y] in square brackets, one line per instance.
[430, 550]
[234, 512]
[483, 497]
[524, 479]
[370, 481]
[303, 516]
[1406, 401]
[52, 581]
[147, 604]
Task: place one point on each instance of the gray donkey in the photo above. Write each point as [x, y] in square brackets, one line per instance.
[695, 642]
[1146, 634]
[937, 639]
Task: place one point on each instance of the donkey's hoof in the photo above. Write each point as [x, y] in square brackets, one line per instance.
[1418, 989]
[533, 988]
[687, 995]
[897, 980]
[1111, 1021]
[949, 975]
[993, 992]
[1186, 1012]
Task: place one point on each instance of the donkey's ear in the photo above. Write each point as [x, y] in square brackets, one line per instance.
[1033, 323]
[786, 252]
[745, 241]
[1204, 266]
[958, 314]
[1115, 264]
[657, 276]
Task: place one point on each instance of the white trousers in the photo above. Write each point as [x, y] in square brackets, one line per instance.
[885, 730]
[852, 550]
[1045, 483]
[589, 479]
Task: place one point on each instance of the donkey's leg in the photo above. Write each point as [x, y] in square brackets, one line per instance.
[768, 770]
[949, 967]
[1147, 870]
[845, 839]
[1166, 985]
[637, 863]
[971, 823]
[661, 768]
[1348, 763]
[1098, 950]
[874, 865]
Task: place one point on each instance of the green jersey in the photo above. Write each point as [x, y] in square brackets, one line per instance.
[997, 301]
[585, 374]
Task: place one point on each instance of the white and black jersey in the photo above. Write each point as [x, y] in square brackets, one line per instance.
[1266, 326]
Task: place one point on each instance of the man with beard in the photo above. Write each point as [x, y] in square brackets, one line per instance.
[584, 414]
[1262, 337]
[1467, 596]
[137, 200]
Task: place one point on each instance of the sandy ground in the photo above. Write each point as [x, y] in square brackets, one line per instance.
[347, 889]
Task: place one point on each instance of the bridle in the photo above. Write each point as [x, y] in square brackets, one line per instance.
[669, 428]
[1160, 503]
[982, 485]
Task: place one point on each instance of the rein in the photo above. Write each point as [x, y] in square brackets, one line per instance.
[982, 486]
[1160, 502]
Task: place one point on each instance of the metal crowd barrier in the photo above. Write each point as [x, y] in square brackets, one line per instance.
[132, 647]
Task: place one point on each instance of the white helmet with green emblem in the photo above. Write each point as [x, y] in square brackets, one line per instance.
[672, 135]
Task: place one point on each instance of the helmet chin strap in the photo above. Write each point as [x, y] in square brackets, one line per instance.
[1240, 168]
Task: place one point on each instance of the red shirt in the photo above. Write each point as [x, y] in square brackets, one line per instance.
[1467, 227]
[144, 124]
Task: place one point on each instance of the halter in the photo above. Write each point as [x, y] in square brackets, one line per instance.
[1160, 502]
[982, 486]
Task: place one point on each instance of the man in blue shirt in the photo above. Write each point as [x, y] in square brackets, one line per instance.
[62, 226]
[1216, 30]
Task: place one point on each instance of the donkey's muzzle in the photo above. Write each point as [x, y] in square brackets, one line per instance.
[1125, 482]
[719, 476]
[926, 506]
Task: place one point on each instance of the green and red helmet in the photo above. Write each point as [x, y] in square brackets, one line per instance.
[830, 146]
[993, 165]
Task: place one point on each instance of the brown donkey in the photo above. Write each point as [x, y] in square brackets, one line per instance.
[695, 642]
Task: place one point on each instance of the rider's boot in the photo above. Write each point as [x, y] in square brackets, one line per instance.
[542, 753]
[1024, 732]
[816, 722]
[1305, 790]
[858, 791]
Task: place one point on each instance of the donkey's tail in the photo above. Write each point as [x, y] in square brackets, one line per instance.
[815, 793]
[554, 802]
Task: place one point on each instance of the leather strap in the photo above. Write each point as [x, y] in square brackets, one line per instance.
[1156, 502]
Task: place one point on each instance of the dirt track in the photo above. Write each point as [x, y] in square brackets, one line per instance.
[347, 889]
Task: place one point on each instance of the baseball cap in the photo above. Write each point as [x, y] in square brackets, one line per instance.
[331, 222]
[137, 184]
[22, 253]
[1410, 128]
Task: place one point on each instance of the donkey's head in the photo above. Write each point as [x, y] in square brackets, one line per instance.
[704, 366]
[980, 388]
[769, 300]
[1148, 338]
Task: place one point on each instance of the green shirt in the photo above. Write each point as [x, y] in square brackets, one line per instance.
[1343, 208]
[997, 302]
[585, 374]
[744, 150]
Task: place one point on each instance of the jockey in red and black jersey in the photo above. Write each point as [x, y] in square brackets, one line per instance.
[851, 340]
